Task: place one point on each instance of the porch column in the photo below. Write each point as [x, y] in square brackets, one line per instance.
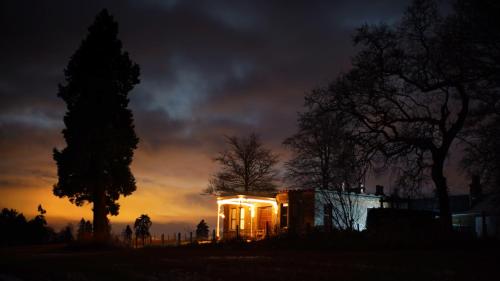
[218, 221]
[252, 215]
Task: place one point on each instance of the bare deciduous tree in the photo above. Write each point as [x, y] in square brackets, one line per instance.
[245, 167]
[411, 91]
[325, 158]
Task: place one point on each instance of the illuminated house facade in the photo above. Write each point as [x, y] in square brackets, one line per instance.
[246, 216]
[298, 211]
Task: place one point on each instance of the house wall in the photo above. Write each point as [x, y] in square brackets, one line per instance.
[363, 202]
[281, 199]
[305, 211]
[301, 206]
[490, 222]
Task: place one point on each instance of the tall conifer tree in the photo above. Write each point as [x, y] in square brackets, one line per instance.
[100, 137]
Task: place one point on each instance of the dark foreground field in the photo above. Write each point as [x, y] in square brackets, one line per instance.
[208, 263]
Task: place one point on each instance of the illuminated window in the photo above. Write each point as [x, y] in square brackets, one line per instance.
[284, 215]
[242, 218]
[232, 217]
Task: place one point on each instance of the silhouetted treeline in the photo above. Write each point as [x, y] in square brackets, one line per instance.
[15, 229]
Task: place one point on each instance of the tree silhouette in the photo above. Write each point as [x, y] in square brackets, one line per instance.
[16, 230]
[325, 157]
[141, 227]
[245, 167]
[80, 234]
[84, 231]
[202, 230]
[127, 235]
[37, 228]
[13, 227]
[411, 92]
[66, 234]
[483, 155]
[99, 133]
[324, 153]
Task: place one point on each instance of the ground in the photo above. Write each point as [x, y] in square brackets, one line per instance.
[209, 263]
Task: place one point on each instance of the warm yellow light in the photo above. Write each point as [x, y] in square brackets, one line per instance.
[250, 202]
[242, 218]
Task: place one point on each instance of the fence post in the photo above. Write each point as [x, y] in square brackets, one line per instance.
[178, 239]
[267, 229]
[213, 235]
[191, 237]
[237, 232]
[162, 239]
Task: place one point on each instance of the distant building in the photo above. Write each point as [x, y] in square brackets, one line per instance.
[298, 211]
[476, 214]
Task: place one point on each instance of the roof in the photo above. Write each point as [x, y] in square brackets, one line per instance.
[243, 196]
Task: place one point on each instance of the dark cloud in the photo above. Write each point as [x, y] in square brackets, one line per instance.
[209, 69]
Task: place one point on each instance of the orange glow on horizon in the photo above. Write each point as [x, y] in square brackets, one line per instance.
[165, 191]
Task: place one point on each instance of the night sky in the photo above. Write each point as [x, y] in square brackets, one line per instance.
[208, 69]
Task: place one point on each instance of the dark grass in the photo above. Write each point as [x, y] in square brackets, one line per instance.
[266, 260]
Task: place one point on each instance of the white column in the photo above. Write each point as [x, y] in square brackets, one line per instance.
[218, 221]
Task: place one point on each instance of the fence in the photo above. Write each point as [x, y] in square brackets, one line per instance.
[169, 239]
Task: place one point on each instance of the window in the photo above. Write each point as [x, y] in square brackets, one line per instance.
[242, 218]
[232, 217]
[284, 215]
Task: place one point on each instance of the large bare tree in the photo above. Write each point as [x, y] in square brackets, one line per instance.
[246, 166]
[411, 92]
[325, 158]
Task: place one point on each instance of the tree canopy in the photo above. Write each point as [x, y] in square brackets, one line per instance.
[202, 230]
[99, 129]
[141, 227]
[324, 154]
[16, 230]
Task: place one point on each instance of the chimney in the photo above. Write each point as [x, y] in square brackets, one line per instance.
[475, 189]
[379, 190]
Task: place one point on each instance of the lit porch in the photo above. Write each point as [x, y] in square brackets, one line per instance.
[245, 216]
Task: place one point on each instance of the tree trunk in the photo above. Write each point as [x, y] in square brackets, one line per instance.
[100, 220]
[442, 193]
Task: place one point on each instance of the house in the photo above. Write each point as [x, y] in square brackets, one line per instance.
[298, 211]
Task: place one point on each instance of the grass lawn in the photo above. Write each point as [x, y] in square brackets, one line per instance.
[210, 263]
